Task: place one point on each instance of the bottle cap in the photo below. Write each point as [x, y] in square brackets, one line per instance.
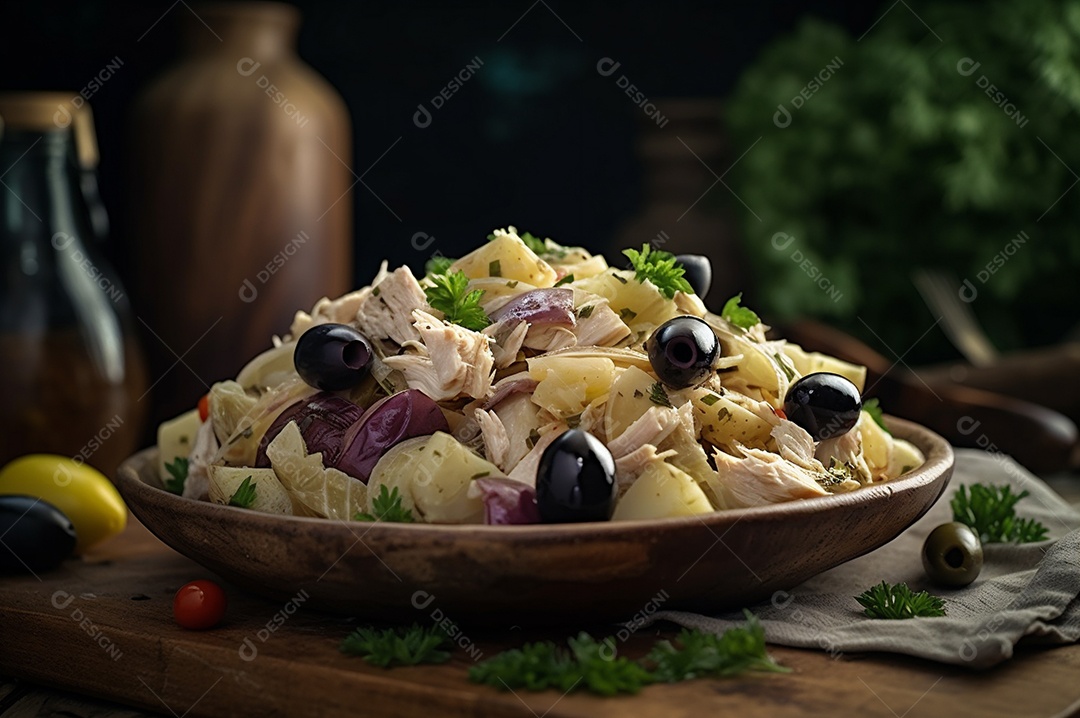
[45, 111]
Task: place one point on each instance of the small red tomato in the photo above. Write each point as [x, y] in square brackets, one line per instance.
[199, 605]
[204, 407]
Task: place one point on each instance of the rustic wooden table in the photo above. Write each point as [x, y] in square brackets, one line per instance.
[102, 627]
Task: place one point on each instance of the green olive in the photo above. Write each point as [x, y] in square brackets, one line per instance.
[952, 555]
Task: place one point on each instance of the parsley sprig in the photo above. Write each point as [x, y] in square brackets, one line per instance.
[387, 507]
[398, 646]
[450, 295]
[873, 408]
[991, 512]
[178, 472]
[660, 268]
[899, 601]
[658, 395]
[595, 665]
[701, 654]
[740, 316]
[244, 496]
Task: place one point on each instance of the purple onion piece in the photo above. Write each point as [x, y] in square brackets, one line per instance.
[404, 415]
[323, 420]
[518, 386]
[540, 306]
[507, 502]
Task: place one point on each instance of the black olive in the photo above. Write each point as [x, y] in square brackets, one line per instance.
[36, 536]
[824, 404]
[332, 357]
[952, 555]
[683, 351]
[575, 480]
[698, 272]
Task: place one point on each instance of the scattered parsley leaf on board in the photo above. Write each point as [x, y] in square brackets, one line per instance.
[534, 667]
[594, 664]
[991, 512]
[451, 296]
[588, 664]
[873, 408]
[387, 507]
[700, 654]
[398, 646]
[899, 601]
[244, 496]
[178, 471]
[740, 316]
[660, 268]
[437, 265]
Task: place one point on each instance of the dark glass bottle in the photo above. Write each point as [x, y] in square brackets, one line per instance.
[71, 375]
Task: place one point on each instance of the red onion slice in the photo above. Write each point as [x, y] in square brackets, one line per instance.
[540, 306]
[507, 502]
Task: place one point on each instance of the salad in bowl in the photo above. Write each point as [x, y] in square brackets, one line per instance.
[529, 382]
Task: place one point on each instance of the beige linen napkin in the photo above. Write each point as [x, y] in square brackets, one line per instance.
[1024, 592]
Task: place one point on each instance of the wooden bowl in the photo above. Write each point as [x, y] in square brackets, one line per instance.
[544, 573]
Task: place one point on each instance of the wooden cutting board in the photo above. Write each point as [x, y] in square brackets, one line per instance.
[102, 625]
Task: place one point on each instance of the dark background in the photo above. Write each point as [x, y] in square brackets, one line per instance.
[538, 139]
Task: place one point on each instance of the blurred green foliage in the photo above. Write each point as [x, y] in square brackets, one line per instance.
[901, 160]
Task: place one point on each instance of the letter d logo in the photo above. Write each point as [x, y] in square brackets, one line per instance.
[782, 117]
[421, 118]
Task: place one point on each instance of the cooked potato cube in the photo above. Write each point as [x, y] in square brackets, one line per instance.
[568, 384]
[270, 496]
[662, 491]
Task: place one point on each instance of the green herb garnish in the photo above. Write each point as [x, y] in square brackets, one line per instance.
[595, 665]
[387, 507]
[244, 496]
[178, 471]
[702, 654]
[658, 395]
[783, 365]
[710, 399]
[452, 297]
[899, 601]
[565, 280]
[660, 268]
[586, 311]
[873, 408]
[495, 268]
[991, 512]
[738, 315]
[437, 265]
[537, 245]
[398, 646]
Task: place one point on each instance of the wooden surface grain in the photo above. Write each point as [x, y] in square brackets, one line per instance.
[102, 626]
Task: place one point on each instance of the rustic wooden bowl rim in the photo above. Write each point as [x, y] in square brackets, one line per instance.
[133, 473]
